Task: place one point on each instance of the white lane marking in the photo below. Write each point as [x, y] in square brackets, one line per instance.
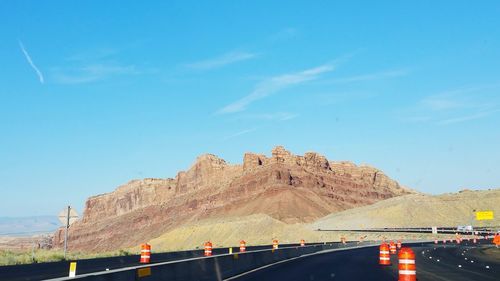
[295, 258]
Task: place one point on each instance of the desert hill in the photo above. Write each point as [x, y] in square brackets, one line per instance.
[418, 210]
[451, 209]
[286, 187]
[259, 229]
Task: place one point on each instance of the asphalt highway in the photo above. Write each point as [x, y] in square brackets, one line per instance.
[450, 262]
[40, 271]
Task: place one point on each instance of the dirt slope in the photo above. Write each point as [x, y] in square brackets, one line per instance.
[417, 210]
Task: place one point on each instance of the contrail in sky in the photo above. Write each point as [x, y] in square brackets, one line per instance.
[30, 61]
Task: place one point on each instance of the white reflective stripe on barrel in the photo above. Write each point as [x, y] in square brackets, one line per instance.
[407, 261]
[145, 257]
[384, 252]
[145, 251]
[407, 272]
[384, 258]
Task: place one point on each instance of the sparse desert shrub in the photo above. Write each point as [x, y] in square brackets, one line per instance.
[122, 252]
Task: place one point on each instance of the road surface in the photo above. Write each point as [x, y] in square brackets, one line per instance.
[448, 262]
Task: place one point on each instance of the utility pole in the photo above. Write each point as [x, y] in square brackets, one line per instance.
[66, 232]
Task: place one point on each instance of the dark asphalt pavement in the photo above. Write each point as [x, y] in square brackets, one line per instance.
[39, 271]
[448, 262]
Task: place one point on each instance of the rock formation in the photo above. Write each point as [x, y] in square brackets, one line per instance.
[284, 186]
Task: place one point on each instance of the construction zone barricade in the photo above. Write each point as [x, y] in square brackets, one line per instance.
[406, 265]
[496, 240]
[275, 244]
[384, 256]
[302, 242]
[392, 248]
[208, 249]
[243, 246]
[145, 253]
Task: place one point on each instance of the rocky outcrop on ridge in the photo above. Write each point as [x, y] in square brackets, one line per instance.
[287, 187]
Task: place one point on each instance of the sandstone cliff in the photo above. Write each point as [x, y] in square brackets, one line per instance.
[284, 186]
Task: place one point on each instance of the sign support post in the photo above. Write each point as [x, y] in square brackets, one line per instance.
[67, 217]
[66, 232]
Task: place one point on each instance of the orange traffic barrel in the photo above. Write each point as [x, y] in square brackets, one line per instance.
[496, 240]
[208, 249]
[384, 257]
[342, 239]
[145, 253]
[243, 246]
[407, 268]
[474, 240]
[275, 244]
[398, 244]
[435, 241]
[302, 242]
[392, 248]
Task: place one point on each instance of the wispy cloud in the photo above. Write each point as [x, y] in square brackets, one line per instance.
[457, 105]
[275, 84]
[455, 99]
[466, 117]
[279, 116]
[239, 133]
[439, 103]
[369, 76]
[91, 73]
[32, 64]
[93, 55]
[221, 61]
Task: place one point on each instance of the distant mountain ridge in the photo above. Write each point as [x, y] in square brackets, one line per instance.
[26, 226]
[286, 187]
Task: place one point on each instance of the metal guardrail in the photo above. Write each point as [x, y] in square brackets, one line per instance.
[442, 230]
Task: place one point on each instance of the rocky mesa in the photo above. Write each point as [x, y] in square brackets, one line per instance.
[286, 187]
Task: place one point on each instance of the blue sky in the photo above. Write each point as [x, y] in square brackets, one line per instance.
[94, 93]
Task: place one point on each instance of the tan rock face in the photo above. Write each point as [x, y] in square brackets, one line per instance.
[286, 187]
